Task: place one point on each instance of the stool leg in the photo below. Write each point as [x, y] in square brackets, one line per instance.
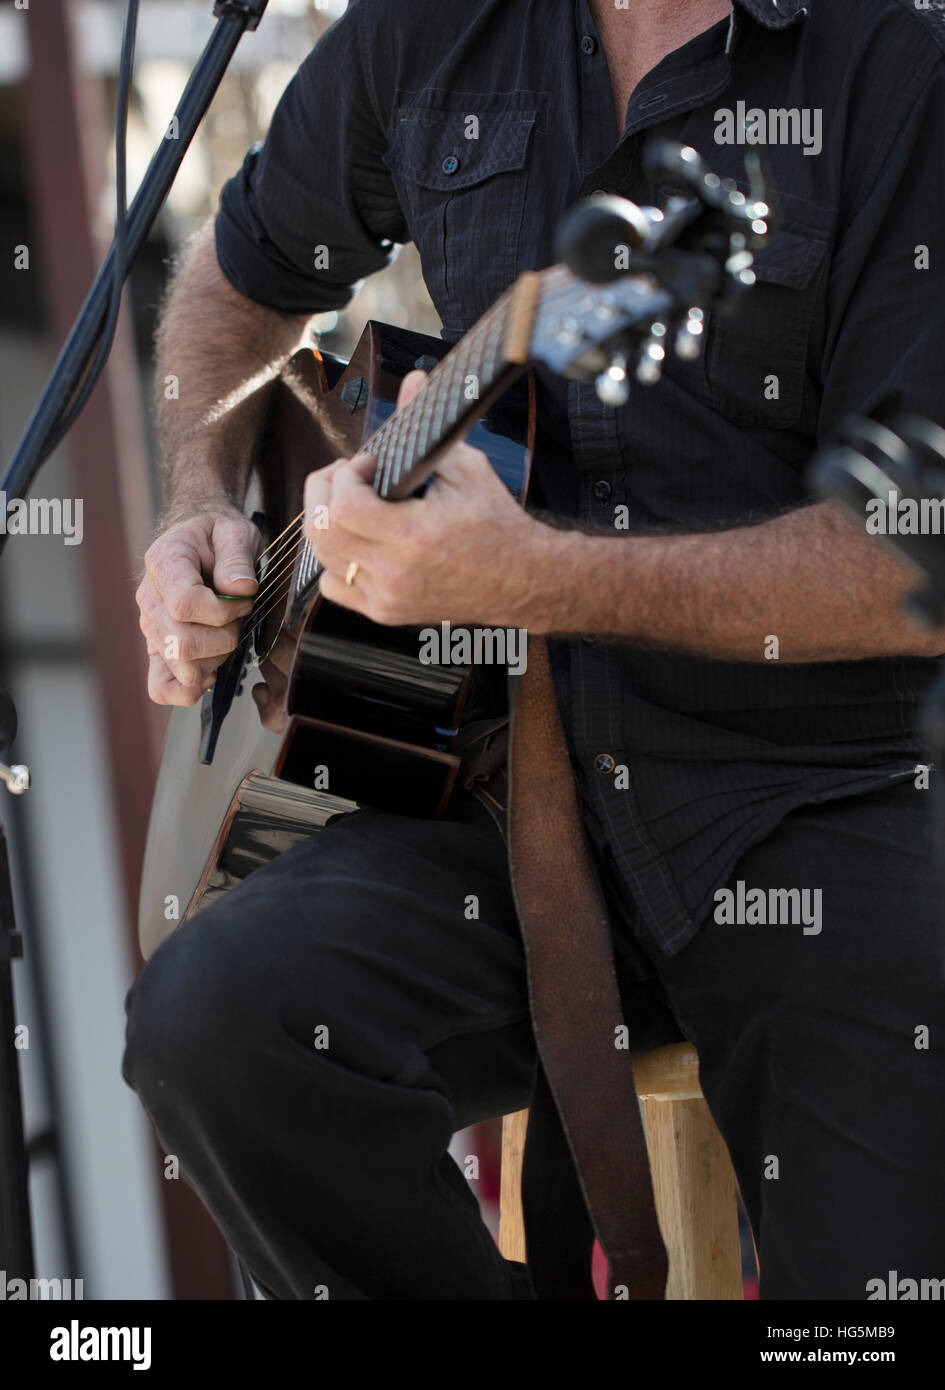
[511, 1220]
[694, 1187]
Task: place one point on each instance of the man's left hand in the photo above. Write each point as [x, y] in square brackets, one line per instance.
[465, 552]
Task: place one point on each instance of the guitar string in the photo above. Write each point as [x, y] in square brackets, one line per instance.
[278, 563]
[410, 422]
[404, 417]
[262, 618]
[391, 440]
[383, 434]
[471, 342]
[255, 617]
[272, 578]
[272, 560]
[390, 433]
[275, 541]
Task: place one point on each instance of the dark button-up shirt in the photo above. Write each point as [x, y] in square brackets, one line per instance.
[470, 129]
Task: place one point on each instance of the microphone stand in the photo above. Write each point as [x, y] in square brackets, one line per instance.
[16, 1237]
[234, 17]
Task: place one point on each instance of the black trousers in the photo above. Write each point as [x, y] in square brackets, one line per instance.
[308, 1046]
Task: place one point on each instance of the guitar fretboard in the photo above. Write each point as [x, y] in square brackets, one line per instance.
[452, 391]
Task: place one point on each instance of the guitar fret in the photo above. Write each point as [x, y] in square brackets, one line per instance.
[439, 404]
[410, 453]
[381, 453]
[489, 367]
[471, 366]
[392, 459]
[468, 364]
[468, 357]
[497, 336]
[487, 353]
[377, 445]
[452, 403]
[405, 433]
[426, 420]
[410, 435]
[451, 390]
[420, 427]
[441, 426]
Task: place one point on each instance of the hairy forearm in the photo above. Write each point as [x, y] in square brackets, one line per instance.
[807, 579]
[217, 352]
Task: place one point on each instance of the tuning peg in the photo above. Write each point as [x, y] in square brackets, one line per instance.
[17, 777]
[740, 262]
[613, 385]
[688, 342]
[652, 356]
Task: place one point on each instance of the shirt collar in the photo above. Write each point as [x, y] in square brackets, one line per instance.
[776, 14]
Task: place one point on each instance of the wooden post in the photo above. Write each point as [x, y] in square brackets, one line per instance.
[511, 1220]
[693, 1179]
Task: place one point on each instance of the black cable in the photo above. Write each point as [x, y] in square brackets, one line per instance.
[107, 333]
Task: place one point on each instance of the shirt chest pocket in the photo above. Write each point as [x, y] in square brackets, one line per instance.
[461, 176]
[758, 347]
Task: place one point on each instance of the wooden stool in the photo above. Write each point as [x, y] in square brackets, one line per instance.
[693, 1179]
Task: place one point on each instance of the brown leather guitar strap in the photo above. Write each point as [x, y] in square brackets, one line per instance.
[585, 1150]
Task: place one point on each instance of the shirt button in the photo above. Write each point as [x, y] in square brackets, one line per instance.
[602, 489]
[604, 762]
[588, 44]
[450, 164]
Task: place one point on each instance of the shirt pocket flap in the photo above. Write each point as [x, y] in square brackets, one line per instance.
[791, 259]
[451, 150]
[793, 254]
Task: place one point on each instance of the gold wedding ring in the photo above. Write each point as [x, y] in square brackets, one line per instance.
[351, 573]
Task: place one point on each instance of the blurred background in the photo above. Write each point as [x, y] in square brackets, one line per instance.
[71, 653]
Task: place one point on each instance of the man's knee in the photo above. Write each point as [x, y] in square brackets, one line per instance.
[244, 980]
[190, 1011]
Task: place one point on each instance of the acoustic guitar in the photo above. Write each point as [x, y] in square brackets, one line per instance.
[369, 721]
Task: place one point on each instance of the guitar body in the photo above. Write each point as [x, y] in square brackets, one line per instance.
[369, 723]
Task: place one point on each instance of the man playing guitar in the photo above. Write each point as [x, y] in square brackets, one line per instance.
[738, 651]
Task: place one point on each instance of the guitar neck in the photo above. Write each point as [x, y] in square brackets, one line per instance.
[457, 391]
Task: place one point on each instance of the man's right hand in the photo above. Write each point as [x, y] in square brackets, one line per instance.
[187, 627]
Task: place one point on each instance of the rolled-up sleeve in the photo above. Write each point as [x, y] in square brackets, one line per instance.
[312, 210]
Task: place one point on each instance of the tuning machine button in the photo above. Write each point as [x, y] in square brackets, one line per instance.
[688, 343]
[739, 268]
[605, 306]
[16, 777]
[567, 331]
[613, 385]
[652, 356]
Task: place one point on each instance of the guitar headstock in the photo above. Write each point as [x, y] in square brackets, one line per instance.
[634, 284]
